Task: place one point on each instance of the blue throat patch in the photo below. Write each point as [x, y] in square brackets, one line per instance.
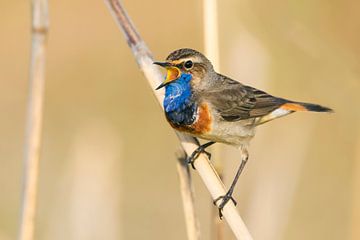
[180, 109]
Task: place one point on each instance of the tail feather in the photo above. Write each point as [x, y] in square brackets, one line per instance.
[299, 106]
[289, 107]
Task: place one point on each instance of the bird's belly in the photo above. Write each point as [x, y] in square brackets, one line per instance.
[233, 133]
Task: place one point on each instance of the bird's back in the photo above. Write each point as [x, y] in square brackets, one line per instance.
[236, 109]
[235, 101]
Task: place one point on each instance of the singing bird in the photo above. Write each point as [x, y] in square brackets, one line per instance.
[205, 104]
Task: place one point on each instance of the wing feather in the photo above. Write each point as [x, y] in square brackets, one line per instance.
[235, 101]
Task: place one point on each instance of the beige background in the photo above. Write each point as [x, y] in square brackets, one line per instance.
[107, 166]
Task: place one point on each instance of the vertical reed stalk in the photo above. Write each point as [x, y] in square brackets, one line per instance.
[355, 231]
[212, 50]
[187, 194]
[189, 144]
[211, 31]
[34, 119]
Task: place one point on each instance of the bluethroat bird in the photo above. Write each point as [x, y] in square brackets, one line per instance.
[205, 104]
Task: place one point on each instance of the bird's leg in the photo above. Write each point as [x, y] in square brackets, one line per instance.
[197, 152]
[228, 195]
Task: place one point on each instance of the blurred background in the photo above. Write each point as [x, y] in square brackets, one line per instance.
[108, 168]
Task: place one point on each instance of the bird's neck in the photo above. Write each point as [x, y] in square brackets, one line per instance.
[178, 103]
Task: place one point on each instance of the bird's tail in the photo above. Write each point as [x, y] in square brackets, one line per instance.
[300, 106]
[287, 107]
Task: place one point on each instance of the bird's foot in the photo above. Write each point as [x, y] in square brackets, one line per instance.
[224, 200]
[195, 155]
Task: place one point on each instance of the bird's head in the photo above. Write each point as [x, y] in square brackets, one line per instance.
[185, 61]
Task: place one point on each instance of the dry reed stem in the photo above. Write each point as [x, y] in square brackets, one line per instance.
[211, 35]
[355, 213]
[188, 143]
[211, 45]
[187, 194]
[34, 119]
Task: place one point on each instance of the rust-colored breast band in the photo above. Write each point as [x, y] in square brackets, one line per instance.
[201, 125]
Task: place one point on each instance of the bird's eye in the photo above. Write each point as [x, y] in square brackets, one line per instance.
[188, 64]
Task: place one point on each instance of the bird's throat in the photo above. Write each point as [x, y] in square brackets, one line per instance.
[180, 109]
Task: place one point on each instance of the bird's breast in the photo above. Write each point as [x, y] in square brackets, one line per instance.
[200, 117]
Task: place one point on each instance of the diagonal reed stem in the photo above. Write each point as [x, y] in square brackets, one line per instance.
[189, 144]
[34, 119]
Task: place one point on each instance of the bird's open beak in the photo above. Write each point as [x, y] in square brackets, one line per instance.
[172, 74]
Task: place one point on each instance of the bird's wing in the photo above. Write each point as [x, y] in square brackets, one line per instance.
[235, 101]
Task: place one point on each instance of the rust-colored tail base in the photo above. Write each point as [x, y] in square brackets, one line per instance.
[298, 106]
